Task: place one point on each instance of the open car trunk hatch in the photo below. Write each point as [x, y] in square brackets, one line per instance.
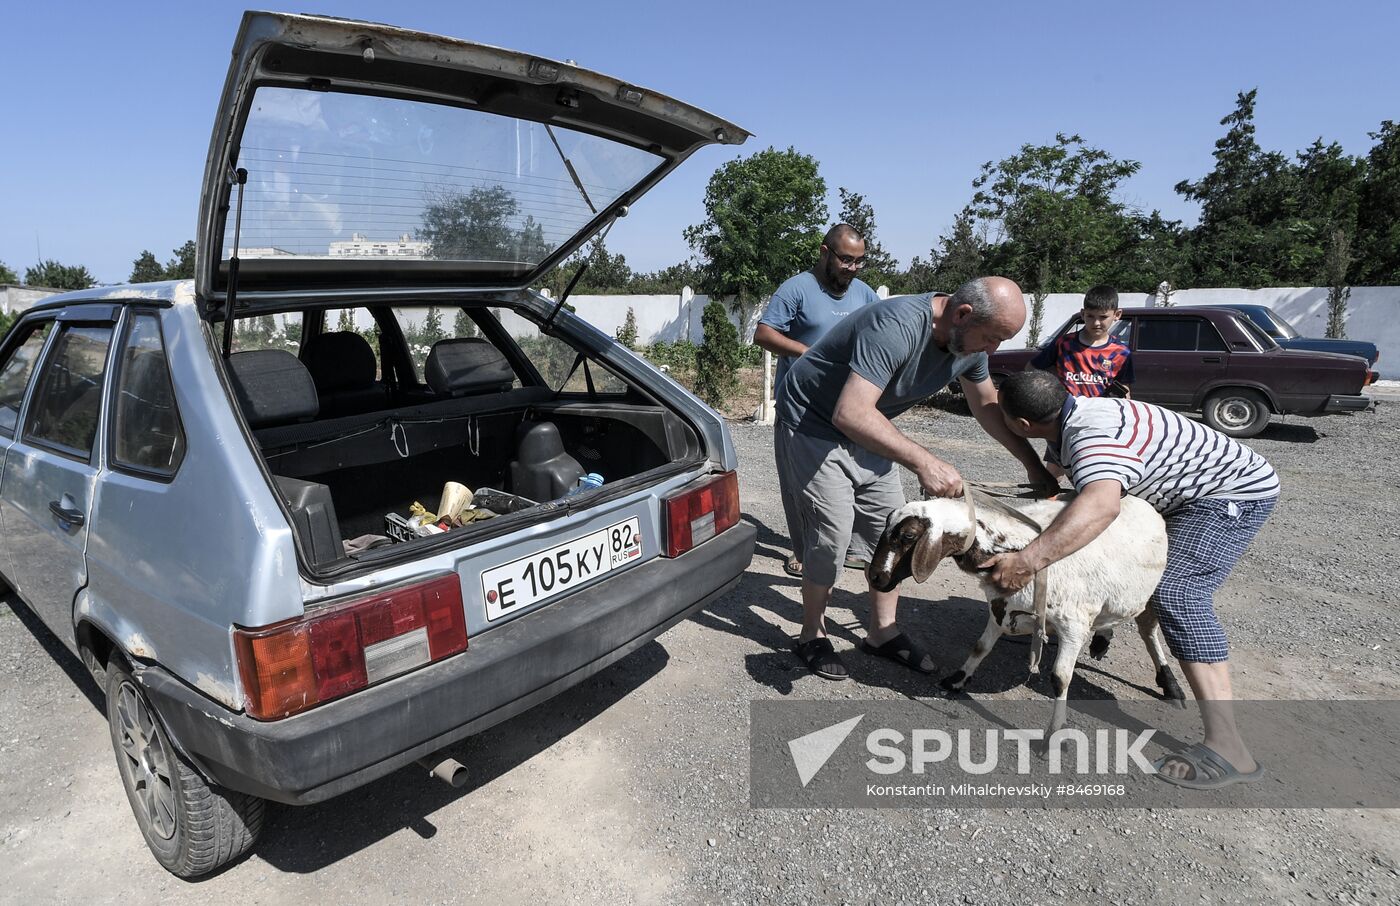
[378, 158]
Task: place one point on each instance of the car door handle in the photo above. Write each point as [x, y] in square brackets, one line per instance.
[69, 515]
[1211, 359]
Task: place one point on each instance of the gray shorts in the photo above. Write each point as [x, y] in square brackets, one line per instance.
[845, 495]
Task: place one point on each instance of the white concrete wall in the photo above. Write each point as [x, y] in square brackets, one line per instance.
[21, 298]
[1373, 313]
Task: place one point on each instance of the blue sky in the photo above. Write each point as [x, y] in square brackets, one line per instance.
[107, 106]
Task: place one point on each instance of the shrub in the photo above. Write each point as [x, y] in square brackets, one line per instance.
[717, 360]
[627, 333]
[677, 356]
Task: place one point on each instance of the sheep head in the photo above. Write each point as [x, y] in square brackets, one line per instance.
[917, 536]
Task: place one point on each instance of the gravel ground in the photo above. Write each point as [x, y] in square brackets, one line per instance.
[633, 787]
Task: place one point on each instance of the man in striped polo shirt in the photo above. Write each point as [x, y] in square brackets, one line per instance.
[1214, 493]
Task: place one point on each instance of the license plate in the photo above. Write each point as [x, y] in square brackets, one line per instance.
[552, 572]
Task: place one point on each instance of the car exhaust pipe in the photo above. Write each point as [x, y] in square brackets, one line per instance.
[445, 768]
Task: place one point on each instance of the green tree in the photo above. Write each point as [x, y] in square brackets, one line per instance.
[1338, 292]
[1377, 246]
[463, 325]
[880, 265]
[717, 360]
[1054, 209]
[668, 280]
[7, 275]
[764, 220]
[1250, 229]
[960, 256]
[59, 276]
[607, 273]
[345, 323]
[181, 267]
[146, 269]
[7, 320]
[475, 225]
[627, 333]
[432, 326]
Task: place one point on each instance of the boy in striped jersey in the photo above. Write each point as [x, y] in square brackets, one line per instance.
[1088, 361]
[1214, 493]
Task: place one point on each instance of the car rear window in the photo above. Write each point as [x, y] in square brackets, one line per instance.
[148, 436]
[1178, 335]
[341, 177]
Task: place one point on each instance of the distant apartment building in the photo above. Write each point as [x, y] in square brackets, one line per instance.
[359, 246]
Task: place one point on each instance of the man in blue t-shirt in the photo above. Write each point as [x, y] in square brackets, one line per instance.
[838, 448]
[800, 313]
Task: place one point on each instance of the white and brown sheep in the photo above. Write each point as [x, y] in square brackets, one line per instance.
[1104, 583]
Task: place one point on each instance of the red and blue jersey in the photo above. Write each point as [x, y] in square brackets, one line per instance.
[1086, 370]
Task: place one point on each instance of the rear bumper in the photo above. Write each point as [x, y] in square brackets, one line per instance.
[346, 743]
[1341, 403]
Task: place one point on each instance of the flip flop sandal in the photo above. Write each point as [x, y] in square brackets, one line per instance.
[902, 650]
[821, 658]
[1209, 770]
[793, 567]
[856, 563]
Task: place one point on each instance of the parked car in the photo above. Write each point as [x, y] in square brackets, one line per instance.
[1284, 334]
[208, 486]
[1217, 362]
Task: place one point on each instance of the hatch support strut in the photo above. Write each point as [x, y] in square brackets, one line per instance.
[240, 178]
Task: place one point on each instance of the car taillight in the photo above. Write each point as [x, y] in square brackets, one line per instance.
[699, 512]
[331, 652]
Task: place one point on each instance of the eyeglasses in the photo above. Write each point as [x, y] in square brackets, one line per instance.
[847, 260]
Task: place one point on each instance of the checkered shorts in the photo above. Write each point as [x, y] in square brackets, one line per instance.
[1205, 539]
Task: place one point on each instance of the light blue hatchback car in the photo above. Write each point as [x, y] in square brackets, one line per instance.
[334, 504]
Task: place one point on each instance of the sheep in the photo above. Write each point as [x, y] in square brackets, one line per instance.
[1104, 583]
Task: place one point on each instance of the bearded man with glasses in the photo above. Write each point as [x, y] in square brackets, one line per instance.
[803, 309]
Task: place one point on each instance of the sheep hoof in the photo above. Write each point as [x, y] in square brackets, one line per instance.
[1099, 647]
[954, 681]
[1171, 690]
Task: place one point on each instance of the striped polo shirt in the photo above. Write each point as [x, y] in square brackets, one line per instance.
[1166, 459]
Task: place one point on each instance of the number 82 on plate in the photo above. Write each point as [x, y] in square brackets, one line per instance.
[551, 572]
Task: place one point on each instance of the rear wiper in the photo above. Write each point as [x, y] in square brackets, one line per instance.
[572, 173]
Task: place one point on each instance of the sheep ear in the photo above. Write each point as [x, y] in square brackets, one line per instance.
[928, 550]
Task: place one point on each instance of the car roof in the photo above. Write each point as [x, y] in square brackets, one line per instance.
[168, 292]
[1174, 310]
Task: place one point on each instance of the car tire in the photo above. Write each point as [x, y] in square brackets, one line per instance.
[1237, 412]
[192, 827]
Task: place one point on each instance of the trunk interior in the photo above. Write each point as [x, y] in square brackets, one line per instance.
[354, 433]
[340, 480]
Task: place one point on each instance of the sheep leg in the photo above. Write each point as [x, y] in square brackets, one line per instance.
[1098, 648]
[1166, 680]
[1072, 642]
[955, 682]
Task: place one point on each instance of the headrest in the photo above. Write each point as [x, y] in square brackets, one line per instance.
[465, 365]
[273, 387]
[339, 361]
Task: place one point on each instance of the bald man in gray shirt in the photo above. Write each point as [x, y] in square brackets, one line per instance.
[838, 445]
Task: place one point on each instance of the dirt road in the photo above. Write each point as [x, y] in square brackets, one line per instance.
[633, 787]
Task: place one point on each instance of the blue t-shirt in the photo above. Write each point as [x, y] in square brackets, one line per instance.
[804, 311]
[890, 344]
